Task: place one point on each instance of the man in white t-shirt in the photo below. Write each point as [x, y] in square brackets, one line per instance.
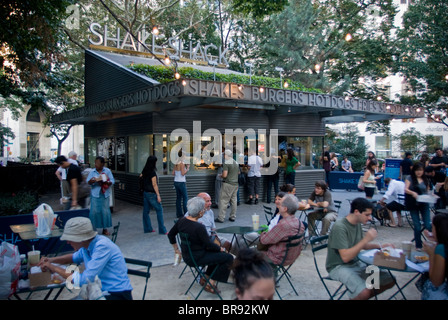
[392, 202]
[61, 173]
[253, 176]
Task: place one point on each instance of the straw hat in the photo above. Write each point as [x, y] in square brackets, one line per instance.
[78, 229]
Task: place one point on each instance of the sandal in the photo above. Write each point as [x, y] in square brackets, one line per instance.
[391, 225]
[211, 289]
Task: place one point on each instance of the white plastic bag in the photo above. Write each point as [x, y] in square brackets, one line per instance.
[44, 219]
[9, 269]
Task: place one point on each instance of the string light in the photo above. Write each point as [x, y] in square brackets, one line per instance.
[177, 75]
[286, 84]
[167, 59]
[261, 89]
[155, 30]
[317, 68]
[348, 37]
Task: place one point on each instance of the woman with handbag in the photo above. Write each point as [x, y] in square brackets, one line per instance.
[369, 179]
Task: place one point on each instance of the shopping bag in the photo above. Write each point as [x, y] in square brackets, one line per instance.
[9, 269]
[44, 219]
[361, 183]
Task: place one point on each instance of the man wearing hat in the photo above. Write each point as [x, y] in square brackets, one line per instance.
[100, 256]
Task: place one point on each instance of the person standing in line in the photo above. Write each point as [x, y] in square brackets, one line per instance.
[229, 188]
[100, 179]
[180, 184]
[292, 163]
[253, 176]
[273, 179]
[151, 196]
[406, 166]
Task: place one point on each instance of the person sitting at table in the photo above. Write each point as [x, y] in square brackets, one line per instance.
[253, 276]
[204, 251]
[345, 242]
[240, 241]
[321, 199]
[391, 202]
[101, 258]
[436, 286]
[208, 220]
[274, 240]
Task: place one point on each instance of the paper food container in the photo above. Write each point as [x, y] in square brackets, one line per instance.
[39, 279]
[385, 259]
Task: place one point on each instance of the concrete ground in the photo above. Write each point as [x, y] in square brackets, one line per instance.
[165, 284]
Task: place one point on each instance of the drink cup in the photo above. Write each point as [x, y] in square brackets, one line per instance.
[407, 247]
[256, 221]
[104, 177]
[34, 257]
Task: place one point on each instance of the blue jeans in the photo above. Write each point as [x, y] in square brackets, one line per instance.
[181, 198]
[272, 180]
[150, 201]
[426, 218]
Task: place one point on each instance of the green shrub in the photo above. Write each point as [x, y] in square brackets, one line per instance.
[17, 203]
[163, 74]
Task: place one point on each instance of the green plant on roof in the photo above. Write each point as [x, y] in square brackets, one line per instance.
[163, 74]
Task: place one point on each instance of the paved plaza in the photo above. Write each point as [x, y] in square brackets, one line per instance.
[165, 283]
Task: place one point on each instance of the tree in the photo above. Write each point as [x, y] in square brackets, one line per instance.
[423, 60]
[347, 142]
[310, 41]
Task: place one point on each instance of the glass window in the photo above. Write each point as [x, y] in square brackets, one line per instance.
[140, 148]
[106, 149]
[306, 149]
[383, 147]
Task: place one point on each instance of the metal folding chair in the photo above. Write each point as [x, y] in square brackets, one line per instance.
[318, 244]
[197, 269]
[281, 270]
[139, 272]
[268, 213]
[115, 232]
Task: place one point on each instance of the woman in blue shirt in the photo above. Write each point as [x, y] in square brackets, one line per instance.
[100, 179]
[436, 287]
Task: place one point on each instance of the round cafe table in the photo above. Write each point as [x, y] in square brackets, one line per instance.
[366, 256]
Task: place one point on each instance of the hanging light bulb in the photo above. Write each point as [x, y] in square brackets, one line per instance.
[317, 67]
[286, 84]
[155, 30]
[379, 98]
[177, 75]
[167, 59]
[184, 83]
[348, 37]
[261, 89]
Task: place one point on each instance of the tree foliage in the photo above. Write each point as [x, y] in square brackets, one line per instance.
[423, 59]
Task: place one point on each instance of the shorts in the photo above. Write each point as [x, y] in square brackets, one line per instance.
[395, 206]
[354, 277]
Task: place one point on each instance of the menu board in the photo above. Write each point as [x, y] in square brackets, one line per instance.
[106, 149]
